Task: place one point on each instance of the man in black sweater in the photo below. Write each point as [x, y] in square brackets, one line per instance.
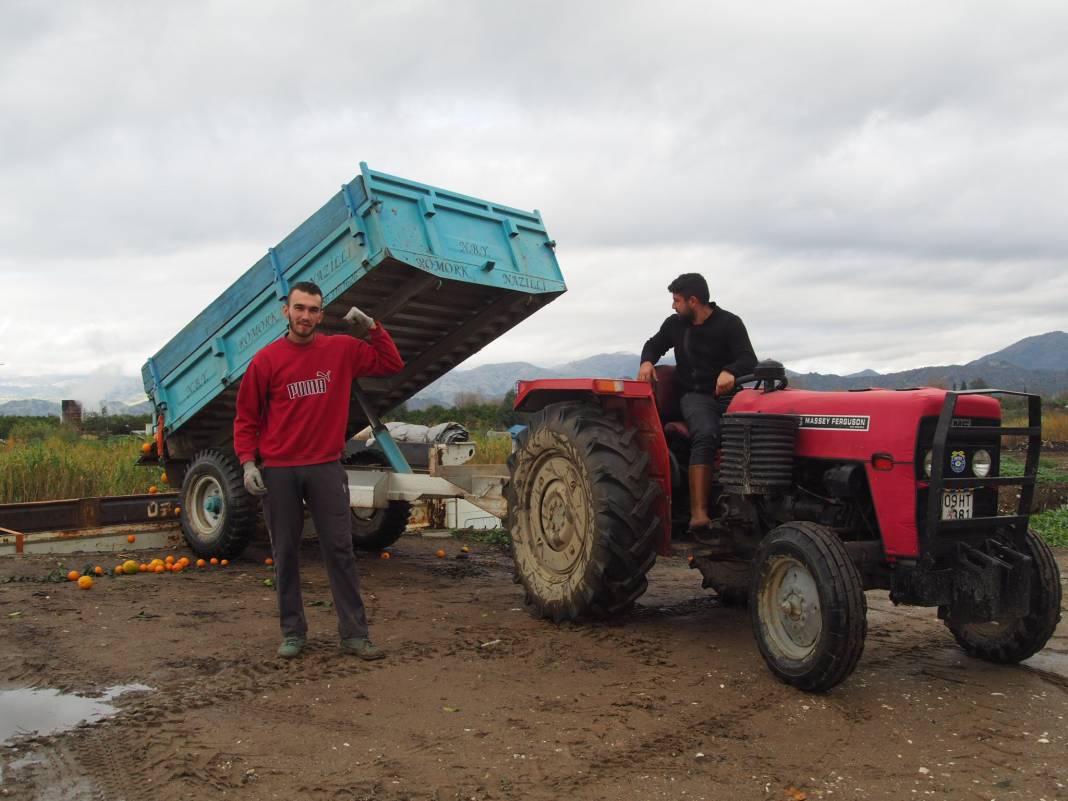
[711, 349]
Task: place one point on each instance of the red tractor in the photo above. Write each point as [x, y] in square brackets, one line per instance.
[818, 496]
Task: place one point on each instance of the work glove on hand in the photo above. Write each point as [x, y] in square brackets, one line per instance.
[359, 321]
[254, 480]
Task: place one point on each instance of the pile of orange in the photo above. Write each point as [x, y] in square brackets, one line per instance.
[168, 564]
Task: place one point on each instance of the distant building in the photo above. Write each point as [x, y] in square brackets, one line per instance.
[71, 413]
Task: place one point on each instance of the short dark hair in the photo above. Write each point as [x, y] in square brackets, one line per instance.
[304, 286]
[690, 285]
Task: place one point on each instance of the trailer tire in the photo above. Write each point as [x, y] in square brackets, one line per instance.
[375, 529]
[817, 641]
[218, 513]
[581, 513]
[1012, 641]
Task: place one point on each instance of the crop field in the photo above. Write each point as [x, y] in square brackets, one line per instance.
[40, 462]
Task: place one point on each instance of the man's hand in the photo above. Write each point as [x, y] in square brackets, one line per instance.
[360, 322]
[724, 384]
[254, 480]
[647, 372]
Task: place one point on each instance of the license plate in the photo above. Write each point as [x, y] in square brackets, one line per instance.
[957, 504]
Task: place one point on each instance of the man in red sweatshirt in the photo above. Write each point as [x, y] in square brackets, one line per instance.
[292, 410]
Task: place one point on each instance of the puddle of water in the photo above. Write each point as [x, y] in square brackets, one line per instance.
[33, 711]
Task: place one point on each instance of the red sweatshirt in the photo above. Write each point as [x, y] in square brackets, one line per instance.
[293, 403]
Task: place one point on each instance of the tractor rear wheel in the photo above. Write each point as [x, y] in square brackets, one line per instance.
[581, 513]
[1013, 639]
[218, 514]
[807, 606]
[375, 529]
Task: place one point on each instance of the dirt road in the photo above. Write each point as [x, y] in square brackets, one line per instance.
[477, 700]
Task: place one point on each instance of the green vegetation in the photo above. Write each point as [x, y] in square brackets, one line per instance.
[1049, 472]
[92, 423]
[1052, 526]
[496, 537]
[43, 461]
[490, 450]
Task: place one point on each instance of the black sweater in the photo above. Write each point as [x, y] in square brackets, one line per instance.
[703, 351]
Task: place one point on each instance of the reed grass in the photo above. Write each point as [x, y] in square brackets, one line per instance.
[42, 465]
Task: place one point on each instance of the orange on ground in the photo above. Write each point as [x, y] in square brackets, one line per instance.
[268, 561]
[98, 570]
[214, 560]
[153, 490]
[129, 567]
[201, 563]
[131, 538]
[224, 562]
[177, 510]
[158, 569]
[146, 447]
[169, 560]
[177, 567]
[142, 568]
[384, 555]
[118, 570]
[440, 554]
[85, 582]
[73, 575]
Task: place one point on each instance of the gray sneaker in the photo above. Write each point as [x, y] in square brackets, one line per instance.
[361, 647]
[291, 646]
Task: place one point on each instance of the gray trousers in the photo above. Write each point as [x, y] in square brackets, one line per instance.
[701, 413]
[325, 487]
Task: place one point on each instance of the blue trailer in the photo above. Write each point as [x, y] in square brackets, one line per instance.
[446, 273]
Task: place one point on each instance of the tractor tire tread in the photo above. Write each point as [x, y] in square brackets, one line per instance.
[624, 497]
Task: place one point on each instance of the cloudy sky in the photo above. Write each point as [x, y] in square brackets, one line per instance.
[868, 185]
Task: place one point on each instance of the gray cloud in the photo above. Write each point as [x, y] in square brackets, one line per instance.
[870, 185]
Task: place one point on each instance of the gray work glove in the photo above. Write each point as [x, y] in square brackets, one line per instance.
[254, 480]
[359, 321]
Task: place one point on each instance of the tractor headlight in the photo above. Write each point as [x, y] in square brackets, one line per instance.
[928, 461]
[981, 463]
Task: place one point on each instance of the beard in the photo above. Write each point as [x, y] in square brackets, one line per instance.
[303, 331]
[686, 314]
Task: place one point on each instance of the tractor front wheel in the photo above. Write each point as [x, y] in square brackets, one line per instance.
[581, 513]
[1013, 639]
[807, 606]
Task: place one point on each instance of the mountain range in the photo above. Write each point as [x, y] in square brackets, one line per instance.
[1035, 364]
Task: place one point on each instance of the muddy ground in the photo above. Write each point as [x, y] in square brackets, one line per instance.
[478, 700]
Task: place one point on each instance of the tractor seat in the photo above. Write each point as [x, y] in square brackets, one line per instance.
[667, 394]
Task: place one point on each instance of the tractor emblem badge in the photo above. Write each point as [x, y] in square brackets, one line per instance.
[957, 461]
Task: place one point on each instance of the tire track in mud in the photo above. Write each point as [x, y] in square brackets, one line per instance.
[663, 748]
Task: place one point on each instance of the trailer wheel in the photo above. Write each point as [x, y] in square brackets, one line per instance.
[1014, 639]
[807, 606]
[375, 529]
[218, 514]
[581, 513]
